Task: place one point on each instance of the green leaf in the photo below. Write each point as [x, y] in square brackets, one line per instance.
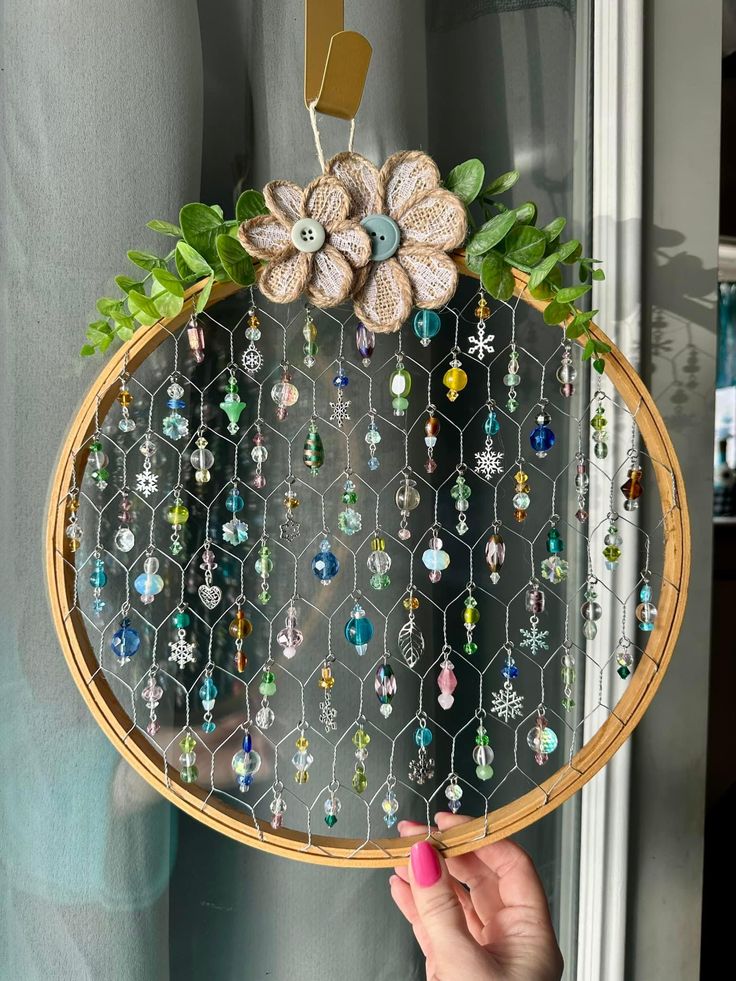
[168, 281]
[168, 304]
[571, 293]
[87, 350]
[218, 209]
[123, 320]
[503, 183]
[490, 234]
[143, 308]
[124, 333]
[574, 330]
[203, 297]
[554, 229]
[164, 228]
[555, 313]
[599, 364]
[584, 316]
[104, 344]
[540, 272]
[525, 245]
[249, 204]
[496, 277]
[570, 251]
[474, 263]
[98, 331]
[193, 259]
[466, 180]
[598, 275]
[588, 350]
[235, 260]
[127, 284]
[200, 227]
[107, 306]
[146, 260]
[601, 347]
[526, 214]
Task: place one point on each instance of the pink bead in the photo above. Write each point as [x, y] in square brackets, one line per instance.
[259, 481]
[581, 515]
[446, 681]
[153, 727]
[404, 533]
[258, 439]
[277, 821]
[431, 465]
[567, 389]
[435, 576]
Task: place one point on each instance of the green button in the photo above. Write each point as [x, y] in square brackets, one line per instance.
[384, 235]
[308, 235]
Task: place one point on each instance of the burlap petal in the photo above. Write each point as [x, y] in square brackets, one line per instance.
[264, 237]
[436, 218]
[360, 179]
[284, 201]
[353, 241]
[405, 175]
[383, 302]
[331, 279]
[327, 201]
[284, 279]
[432, 274]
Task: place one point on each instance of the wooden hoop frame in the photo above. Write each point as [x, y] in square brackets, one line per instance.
[223, 817]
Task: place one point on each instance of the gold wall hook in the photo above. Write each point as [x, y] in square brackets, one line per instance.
[335, 60]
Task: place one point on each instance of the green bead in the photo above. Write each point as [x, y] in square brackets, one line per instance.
[471, 615]
[601, 451]
[484, 771]
[400, 404]
[360, 781]
[623, 672]
[349, 497]
[568, 704]
[314, 451]
[189, 774]
[95, 446]
[101, 474]
[330, 819]
[482, 739]
[380, 581]
[264, 566]
[310, 349]
[512, 405]
[361, 739]
[598, 422]
[267, 688]
[187, 743]
[612, 553]
[554, 543]
[460, 490]
[181, 620]
[264, 598]
[470, 647]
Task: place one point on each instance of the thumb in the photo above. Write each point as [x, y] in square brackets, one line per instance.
[454, 952]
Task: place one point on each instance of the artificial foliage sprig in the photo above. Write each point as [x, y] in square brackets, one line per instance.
[508, 238]
[205, 247]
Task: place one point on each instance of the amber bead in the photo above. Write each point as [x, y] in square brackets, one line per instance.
[519, 515]
[432, 426]
[326, 681]
[241, 626]
[482, 311]
[411, 603]
[241, 661]
[124, 398]
[632, 488]
[253, 321]
[291, 502]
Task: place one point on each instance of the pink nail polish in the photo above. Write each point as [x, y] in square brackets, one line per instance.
[425, 864]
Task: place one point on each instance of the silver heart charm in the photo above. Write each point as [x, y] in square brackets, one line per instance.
[210, 595]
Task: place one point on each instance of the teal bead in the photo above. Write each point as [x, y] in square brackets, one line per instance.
[422, 736]
[359, 630]
[234, 502]
[181, 620]
[555, 544]
[491, 425]
[427, 325]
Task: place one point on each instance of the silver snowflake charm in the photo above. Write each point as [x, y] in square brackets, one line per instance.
[535, 640]
[506, 704]
[480, 344]
[181, 650]
[422, 768]
[252, 359]
[146, 483]
[340, 412]
[289, 529]
[328, 713]
[488, 461]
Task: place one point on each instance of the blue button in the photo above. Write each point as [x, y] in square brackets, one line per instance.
[384, 235]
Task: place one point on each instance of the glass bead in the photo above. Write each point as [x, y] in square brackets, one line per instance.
[453, 791]
[265, 717]
[267, 685]
[646, 614]
[542, 440]
[177, 514]
[125, 641]
[591, 610]
[426, 325]
[542, 739]
[555, 544]
[361, 739]
[407, 496]
[454, 379]
[124, 540]
[534, 600]
[208, 694]
[285, 394]
[483, 755]
[234, 502]
[379, 563]
[484, 772]
[491, 426]
[360, 781]
[246, 764]
[521, 501]
[259, 453]
[400, 382]
[385, 683]
[423, 736]
[365, 342]
[359, 630]
[554, 569]
[325, 565]
[436, 559]
[187, 743]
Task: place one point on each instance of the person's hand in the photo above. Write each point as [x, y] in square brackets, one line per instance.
[477, 917]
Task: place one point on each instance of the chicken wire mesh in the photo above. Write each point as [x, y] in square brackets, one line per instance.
[489, 679]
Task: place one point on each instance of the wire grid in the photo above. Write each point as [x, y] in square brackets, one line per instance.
[504, 630]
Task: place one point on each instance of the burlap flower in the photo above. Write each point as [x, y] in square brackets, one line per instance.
[310, 244]
[431, 222]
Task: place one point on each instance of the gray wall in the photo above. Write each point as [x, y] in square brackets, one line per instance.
[682, 127]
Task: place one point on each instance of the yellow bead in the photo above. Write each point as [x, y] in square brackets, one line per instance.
[74, 544]
[378, 544]
[301, 776]
[253, 321]
[302, 743]
[124, 397]
[482, 310]
[455, 379]
[326, 681]
[411, 603]
[291, 502]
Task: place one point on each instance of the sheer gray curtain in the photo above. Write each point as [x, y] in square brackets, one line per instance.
[103, 124]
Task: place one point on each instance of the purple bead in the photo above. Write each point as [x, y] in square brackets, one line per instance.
[365, 341]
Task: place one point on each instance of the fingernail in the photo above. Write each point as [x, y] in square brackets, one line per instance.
[425, 864]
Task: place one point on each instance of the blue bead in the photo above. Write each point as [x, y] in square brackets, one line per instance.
[373, 463]
[176, 403]
[426, 324]
[491, 425]
[234, 502]
[645, 594]
[125, 641]
[359, 630]
[247, 743]
[208, 690]
[341, 381]
[542, 439]
[325, 565]
[208, 726]
[510, 671]
[422, 736]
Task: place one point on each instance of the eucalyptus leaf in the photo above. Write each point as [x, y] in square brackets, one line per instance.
[164, 228]
[106, 306]
[127, 284]
[526, 214]
[496, 277]
[490, 234]
[249, 204]
[571, 293]
[143, 308]
[540, 272]
[168, 304]
[466, 180]
[169, 281]
[503, 183]
[235, 260]
[202, 298]
[87, 350]
[146, 260]
[193, 259]
[555, 313]
[525, 245]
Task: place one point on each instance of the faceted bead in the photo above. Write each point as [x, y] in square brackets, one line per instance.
[385, 683]
[265, 717]
[447, 683]
[361, 739]
[125, 641]
[555, 543]
[423, 736]
[189, 774]
[325, 565]
[124, 540]
[495, 554]
[542, 739]
[246, 764]
[365, 342]
[187, 743]
[267, 686]
[360, 781]
[534, 600]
